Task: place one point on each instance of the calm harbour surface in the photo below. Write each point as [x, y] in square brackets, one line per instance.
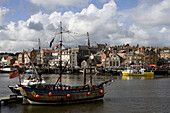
[136, 95]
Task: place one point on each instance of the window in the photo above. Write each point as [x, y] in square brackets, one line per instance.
[110, 63]
[117, 63]
[146, 58]
[113, 63]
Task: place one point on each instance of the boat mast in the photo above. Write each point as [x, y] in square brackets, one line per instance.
[39, 51]
[60, 62]
[88, 43]
[37, 74]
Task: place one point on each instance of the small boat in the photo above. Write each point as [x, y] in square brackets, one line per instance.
[5, 70]
[136, 72]
[59, 93]
[26, 82]
[15, 89]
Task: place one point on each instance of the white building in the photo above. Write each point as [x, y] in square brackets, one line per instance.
[69, 58]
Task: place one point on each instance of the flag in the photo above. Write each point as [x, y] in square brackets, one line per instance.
[57, 46]
[51, 42]
[13, 74]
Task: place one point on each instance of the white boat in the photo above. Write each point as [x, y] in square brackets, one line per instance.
[5, 70]
[26, 83]
[32, 82]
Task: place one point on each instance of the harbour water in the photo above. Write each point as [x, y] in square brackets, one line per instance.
[122, 96]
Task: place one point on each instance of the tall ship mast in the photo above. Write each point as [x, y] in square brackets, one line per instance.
[60, 62]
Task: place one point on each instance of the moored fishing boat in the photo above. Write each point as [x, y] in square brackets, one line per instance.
[58, 93]
[14, 89]
[137, 72]
[29, 81]
[5, 70]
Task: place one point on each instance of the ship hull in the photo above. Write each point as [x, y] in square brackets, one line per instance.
[133, 74]
[28, 101]
[15, 90]
[60, 96]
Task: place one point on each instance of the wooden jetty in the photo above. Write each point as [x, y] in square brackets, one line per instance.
[11, 99]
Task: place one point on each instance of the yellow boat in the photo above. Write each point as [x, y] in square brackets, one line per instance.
[135, 72]
[138, 74]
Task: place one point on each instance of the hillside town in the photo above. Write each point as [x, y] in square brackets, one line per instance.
[86, 56]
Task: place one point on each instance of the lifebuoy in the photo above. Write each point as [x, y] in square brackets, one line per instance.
[49, 93]
[101, 91]
[37, 96]
[68, 95]
[88, 93]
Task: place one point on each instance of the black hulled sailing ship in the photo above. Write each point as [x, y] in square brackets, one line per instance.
[61, 94]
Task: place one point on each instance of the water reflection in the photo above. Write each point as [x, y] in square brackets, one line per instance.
[136, 77]
[91, 107]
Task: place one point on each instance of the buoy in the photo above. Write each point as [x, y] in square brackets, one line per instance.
[37, 96]
[88, 93]
[101, 91]
[49, 93]
[68, 95]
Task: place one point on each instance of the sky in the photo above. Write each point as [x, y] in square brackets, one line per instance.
[115, 22]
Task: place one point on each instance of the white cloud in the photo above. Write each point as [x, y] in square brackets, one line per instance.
[3, 12]
[138, 32]
[164, 29]
[92, 20]
[52, 3]
[104, 26]
[156, 13]
[148, 23]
